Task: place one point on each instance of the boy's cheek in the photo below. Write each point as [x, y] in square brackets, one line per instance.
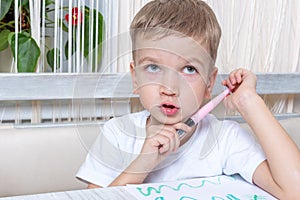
[192, 98]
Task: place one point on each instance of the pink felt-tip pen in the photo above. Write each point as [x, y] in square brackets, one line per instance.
[202, 112]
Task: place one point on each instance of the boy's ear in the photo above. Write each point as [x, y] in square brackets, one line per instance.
[211, 82]
[133, 77]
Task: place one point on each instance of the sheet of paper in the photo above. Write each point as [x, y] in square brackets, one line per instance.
[213, 188]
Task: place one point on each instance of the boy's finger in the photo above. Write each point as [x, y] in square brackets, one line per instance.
[162, 143]
[232, 79]
[171, 135]
[238, 78]
[183, 127]
[228, 84]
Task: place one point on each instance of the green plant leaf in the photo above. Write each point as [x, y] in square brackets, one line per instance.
[4, 39]
[87, 33]
[26, 34]
[10, 36]
[67, 49]
[51, 56]
[5, 5]
[24, 2]
[28, 53]
[92, 47]
[49, 2]
[62, 25]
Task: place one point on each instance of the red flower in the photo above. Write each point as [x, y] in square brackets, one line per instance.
[76, 17]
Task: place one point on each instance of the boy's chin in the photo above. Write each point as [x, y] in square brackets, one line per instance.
[166, 120]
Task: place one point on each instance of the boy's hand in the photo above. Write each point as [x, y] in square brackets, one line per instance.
[242, 83]
[161, 141]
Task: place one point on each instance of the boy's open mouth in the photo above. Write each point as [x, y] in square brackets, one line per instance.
[169, 109]
[169, 106]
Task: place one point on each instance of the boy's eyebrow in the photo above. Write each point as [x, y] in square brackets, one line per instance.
[196, 61]
[148, 59]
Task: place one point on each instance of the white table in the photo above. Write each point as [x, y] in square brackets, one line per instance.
[211, 188]
[112, 193]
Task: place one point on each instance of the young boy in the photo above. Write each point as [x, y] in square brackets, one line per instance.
[175, 46]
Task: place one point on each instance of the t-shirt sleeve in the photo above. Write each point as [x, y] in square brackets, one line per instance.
[242, 153]
[103, 162]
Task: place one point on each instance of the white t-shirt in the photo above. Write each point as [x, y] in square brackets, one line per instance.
[216, 148]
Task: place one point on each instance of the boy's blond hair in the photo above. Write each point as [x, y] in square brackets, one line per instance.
[191, 18]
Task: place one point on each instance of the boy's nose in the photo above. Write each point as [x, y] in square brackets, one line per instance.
[164, 90]
[170, 85]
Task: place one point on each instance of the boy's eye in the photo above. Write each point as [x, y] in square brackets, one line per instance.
[152, 68]
[189, 70]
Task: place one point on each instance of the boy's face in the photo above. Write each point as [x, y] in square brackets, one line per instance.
[172, 76]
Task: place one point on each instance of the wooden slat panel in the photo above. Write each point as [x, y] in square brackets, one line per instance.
[64, 86]
[96, 85]
[271, 83]
[278, 83]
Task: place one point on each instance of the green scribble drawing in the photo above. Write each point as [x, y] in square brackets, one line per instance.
[186, 197]
[181, 198]
[256, 197]
[217, 198]
[158, 190]
[232, 197]
[228, 197]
